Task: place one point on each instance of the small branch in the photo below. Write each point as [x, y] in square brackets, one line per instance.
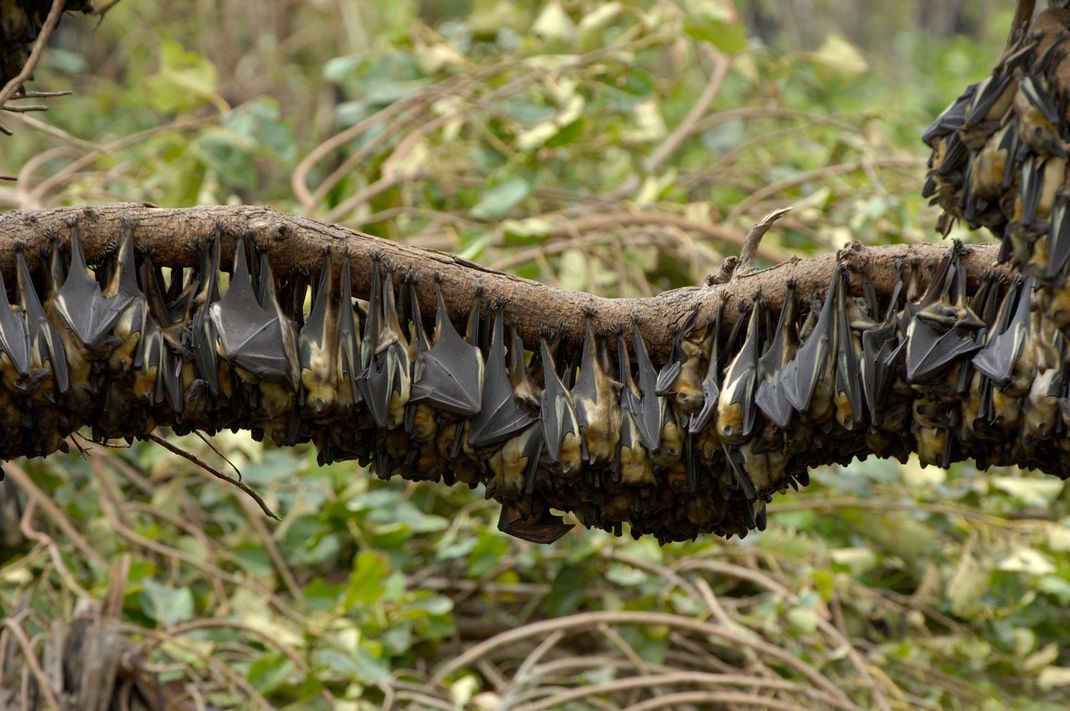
[687, 127]
[749, 253]
[35, 55]
[54, 513]
[215, 472]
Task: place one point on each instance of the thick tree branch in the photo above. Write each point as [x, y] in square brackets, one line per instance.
[296, 245]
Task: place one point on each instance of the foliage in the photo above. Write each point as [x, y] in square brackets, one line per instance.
[543, 138]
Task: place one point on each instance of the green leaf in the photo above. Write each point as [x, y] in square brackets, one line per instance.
[269, 672]
[366, 582]
[497, 201]
[728, 37]
[165, 604]
[487, 553]
[185, 80]
[568, 589]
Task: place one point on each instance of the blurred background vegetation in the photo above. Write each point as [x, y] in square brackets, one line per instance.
[616, 147]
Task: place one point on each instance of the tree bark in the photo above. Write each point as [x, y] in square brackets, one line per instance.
[296, 245]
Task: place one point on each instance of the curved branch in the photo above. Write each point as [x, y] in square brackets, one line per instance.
[295, 244]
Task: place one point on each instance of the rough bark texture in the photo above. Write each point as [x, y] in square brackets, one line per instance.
[296, 244]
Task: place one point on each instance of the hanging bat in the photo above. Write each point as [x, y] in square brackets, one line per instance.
[951, 118]
[286, 327]
[1059, 239]
[131, 322]
[83, 309]
[394, 355]
[850, 408]
[711, 383]
[373, 380]
[595, 396]
[46, 346]
[202, 336]
[735, 406]
[318, 344]
[349, 350]
[993, 170]
[635, 467]
[943, 328]
[499, 415]
[540, 528]
[994, 96]
[248, 336]
[812, 365]
[525, 390]
[473, 340]
[738, 474]
[1038, 116]
[560, 429]
[674, 440]
[515, 464]
[14, 345]
[421, 420]
[1005, 343]
[449, 375]
[650, 412]
[769, 395]
[680, 379]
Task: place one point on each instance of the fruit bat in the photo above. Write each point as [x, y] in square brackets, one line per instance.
[46, 346]
[373, 380]
[711, 383]
[388, 383]
[560, 429]
[420, 418]
[996, 360]
[850, 408]
[943, 328]
[248, 335]
[880, 349]
[83, 308]
[1059, 238]
[735, 406]
[738, 475]
[202, 333]
[680, 379]
[516, 463]
[635, 467]
[287, 330]
[14, 343]
[951, 118]
[649, 409]
[769, 395]
[813, 361]
[1038, 116]
[499, 415]
[995, 94]
[540, 528]
[318, 344]
[449, 375]
[993, 169]
[349, 351]
[525, 390]
[131, 322]
[596, 400]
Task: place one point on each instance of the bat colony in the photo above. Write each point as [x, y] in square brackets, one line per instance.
[945, 368]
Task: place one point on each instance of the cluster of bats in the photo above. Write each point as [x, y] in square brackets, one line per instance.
[939, 365]
[693, 445]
